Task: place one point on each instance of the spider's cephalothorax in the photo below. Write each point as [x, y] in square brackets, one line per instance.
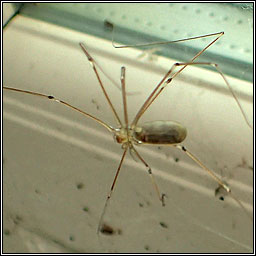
[126, 136]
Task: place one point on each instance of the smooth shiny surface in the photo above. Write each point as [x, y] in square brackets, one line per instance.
[161, 132]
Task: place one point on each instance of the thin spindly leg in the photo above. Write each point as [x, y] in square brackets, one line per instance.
[175, 74]
[160, 196]
[124, 98]
[154, 93]
[111, 190]
[213, 175]
[226, 82]
[52, 98]
[148, 100]
[218, 35]
[115, 83]
[93, 64]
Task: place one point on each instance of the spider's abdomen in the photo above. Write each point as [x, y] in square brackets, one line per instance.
[160, 132]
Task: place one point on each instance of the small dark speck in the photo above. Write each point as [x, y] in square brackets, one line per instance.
[108, 25]
[86, 209]
[159, 148]
[37, 191]
[233, 224]
[7, 232]
[220, 193]
[163, 225]
[55, 241]
[94, 102]
[177, 159]
[79, 185]
[107, 230]
[146, 247]
[141, 204]
[17, 219]
[71, 238]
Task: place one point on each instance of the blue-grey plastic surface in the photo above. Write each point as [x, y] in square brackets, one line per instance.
[147, 22]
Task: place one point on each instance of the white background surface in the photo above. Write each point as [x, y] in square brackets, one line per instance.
[49, 150]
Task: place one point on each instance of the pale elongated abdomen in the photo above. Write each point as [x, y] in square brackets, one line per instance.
[160, 132]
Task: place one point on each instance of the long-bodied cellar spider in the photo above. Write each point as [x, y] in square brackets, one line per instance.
[129, 134]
